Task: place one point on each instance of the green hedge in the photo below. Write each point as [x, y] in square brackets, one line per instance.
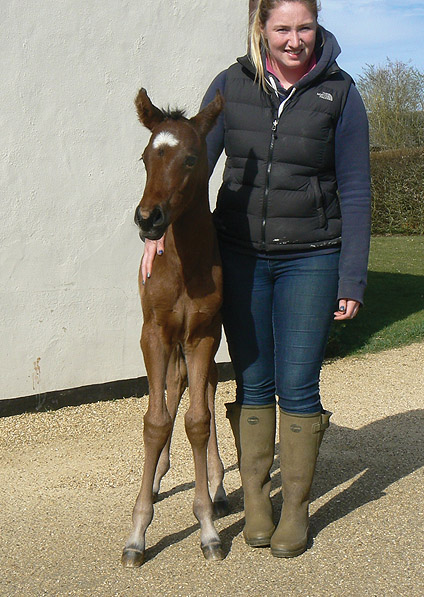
[398, 191]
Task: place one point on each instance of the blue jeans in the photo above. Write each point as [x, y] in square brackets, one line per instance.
[277, 315]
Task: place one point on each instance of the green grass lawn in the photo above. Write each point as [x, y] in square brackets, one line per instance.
[393, 314]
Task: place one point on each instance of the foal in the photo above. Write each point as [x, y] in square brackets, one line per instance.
[182, 326]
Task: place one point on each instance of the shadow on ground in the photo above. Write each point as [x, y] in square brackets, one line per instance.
[374, 457]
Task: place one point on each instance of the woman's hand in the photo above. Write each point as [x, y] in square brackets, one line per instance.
[348, 309]
[151, 249]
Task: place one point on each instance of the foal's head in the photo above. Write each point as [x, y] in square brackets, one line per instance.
[175, 160]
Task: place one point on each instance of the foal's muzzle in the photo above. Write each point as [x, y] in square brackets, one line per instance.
[154, 226]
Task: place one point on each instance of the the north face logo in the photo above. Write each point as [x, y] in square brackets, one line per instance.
[325, 95]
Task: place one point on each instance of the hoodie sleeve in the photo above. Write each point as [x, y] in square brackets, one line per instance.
[353, 179]
[215, 139]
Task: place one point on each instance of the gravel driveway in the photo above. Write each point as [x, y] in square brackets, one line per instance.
[69, 479]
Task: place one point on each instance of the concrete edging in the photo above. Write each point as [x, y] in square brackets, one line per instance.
[113, 390]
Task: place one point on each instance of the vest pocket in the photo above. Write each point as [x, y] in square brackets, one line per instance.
[319, 204]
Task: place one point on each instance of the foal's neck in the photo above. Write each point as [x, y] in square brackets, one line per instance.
[192, 235]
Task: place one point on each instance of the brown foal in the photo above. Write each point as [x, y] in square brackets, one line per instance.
[181, 325]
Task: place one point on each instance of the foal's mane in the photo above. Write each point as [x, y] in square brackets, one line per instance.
[174, 114]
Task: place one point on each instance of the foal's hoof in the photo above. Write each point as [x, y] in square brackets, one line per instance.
[221, 508]
[213, 552]
[132, 558]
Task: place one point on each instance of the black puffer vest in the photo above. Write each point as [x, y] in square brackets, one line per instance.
[279, 191]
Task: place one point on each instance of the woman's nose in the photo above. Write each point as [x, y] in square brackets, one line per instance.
[294, 39]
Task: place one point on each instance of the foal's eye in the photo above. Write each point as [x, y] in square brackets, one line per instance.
[190, 161]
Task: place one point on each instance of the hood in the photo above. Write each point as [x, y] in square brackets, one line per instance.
[327, 50]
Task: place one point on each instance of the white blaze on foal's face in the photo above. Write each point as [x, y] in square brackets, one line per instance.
[165, 138]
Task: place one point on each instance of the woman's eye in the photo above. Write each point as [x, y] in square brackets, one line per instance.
[190, 161]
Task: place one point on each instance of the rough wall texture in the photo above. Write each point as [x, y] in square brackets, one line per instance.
[70, 177]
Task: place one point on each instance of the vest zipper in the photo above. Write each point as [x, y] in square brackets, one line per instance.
[269, 166]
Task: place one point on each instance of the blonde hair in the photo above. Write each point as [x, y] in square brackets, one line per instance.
[257, 40]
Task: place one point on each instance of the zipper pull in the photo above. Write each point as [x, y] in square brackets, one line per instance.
[274, 125]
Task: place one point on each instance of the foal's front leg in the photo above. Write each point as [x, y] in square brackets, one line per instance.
[197, 423]
[215, 466]
[176, 383]
[156, 430]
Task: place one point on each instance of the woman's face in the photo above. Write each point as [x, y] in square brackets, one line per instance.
[291, 32]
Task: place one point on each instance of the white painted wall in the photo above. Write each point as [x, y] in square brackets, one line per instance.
[70, 176]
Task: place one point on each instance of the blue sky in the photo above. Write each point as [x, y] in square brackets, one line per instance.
[369, 31]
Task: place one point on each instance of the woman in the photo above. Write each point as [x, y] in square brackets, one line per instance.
[293, 222]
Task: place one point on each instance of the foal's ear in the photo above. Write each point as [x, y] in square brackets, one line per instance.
[148, 114]
[205, 120]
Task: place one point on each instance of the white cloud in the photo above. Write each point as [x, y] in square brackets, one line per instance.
[369, 31]
[387, 6]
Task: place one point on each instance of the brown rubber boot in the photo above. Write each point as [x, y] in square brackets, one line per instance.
[300, 439]
[254, 433]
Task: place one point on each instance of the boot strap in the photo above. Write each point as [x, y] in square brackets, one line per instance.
[322, 426]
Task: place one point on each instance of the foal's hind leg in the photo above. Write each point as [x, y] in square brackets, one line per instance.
[157, 428]
[197, 423]
[176, 383]
[215, 466]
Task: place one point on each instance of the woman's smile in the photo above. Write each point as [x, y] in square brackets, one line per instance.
[290, 33]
